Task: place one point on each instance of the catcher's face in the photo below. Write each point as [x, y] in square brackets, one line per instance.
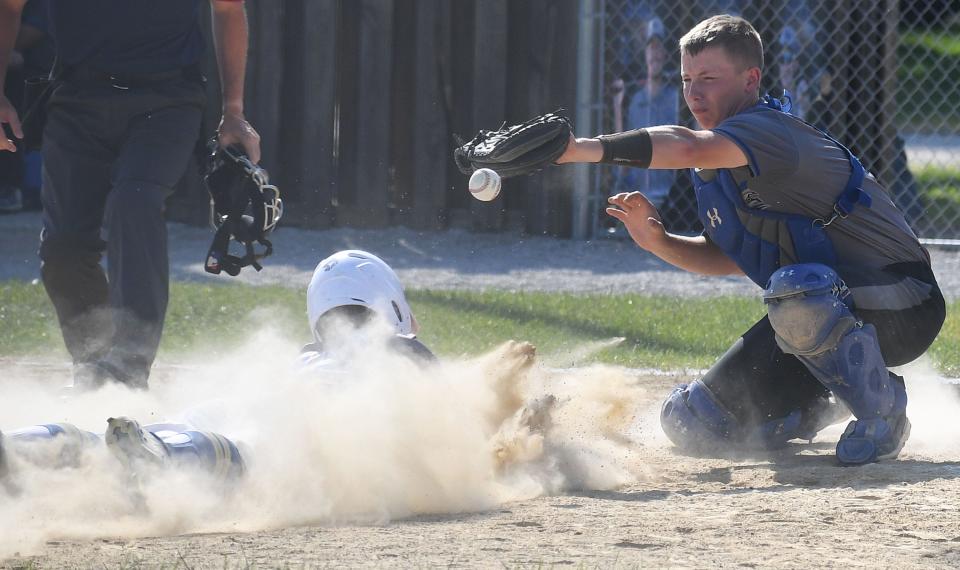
[716, 87]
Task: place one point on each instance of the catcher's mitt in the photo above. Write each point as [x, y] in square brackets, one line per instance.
[518, 149]
[244, 206]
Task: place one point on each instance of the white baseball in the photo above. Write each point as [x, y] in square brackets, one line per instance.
[484, 184]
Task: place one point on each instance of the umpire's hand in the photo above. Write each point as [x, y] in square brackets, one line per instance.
[234, 129]
[8, 116]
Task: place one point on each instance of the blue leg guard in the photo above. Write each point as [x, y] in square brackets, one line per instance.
[806, 307]
[694, 420]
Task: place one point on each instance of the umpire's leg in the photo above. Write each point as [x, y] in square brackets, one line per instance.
[76, 180]
[152, 159]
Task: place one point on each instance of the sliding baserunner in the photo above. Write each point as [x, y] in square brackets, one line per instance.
[351, 293]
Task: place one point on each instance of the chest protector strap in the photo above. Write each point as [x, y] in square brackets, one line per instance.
[761, 241]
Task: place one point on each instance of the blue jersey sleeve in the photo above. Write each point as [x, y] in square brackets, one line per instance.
[766, 141]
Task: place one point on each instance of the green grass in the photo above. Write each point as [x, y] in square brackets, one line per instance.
[929, 60]
[207, 318]
[659, 332]
[939, 190]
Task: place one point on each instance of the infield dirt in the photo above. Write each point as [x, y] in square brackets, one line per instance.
[492, 462]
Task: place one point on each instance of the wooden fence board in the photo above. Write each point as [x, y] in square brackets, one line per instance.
[312, 120]
[550, 87]
[403, 93]
[265, 75]
[372, 126]
[356, 122]
[489, 92]
[430, 132]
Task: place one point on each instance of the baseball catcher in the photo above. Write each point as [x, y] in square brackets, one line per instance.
[244, 206]
[848, 287]
[518, 149]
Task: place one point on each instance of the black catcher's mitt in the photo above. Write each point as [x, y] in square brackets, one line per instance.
[518, 149]
[244, 206]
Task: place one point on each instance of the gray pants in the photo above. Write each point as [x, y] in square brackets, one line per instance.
[111, 157]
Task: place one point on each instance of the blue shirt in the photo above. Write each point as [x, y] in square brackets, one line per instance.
[127, 36]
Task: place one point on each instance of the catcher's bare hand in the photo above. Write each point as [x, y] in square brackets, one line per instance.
[640, 217]
[234, 129]
[8, 116]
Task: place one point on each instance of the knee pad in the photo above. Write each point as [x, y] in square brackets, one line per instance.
[806, 308]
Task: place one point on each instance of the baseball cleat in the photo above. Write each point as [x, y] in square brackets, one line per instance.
[134, 446]
[867, 441]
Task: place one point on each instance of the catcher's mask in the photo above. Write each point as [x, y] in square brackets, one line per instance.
[244, 206]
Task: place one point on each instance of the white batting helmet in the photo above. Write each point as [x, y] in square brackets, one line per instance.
[358, 278]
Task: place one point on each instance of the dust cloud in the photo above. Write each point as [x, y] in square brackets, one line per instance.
[933, 406]
[381, 439]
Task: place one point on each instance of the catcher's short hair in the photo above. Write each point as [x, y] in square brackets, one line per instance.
[734, 34]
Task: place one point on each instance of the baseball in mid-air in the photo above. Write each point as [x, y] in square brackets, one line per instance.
[484, 184]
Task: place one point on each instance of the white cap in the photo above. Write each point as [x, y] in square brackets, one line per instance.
[354, 277]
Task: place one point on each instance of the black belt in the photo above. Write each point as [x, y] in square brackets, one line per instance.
[130, 80]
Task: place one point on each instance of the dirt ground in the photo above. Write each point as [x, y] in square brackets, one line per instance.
[654, 508]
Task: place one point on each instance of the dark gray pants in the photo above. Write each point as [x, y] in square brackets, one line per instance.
[111, 157]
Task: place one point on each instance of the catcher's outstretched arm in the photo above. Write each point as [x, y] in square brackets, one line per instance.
[671, 147]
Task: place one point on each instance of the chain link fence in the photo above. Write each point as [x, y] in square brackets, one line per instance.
[880, 75]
